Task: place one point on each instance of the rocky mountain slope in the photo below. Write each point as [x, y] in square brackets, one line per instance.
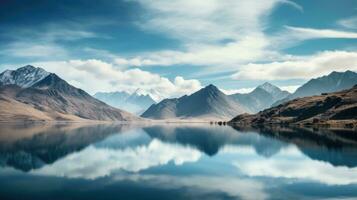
[260, 98]
[52, 98]
[208, 103]
[332, 109]
[335, 81]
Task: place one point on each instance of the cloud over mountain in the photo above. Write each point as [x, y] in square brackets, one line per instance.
[96, 75]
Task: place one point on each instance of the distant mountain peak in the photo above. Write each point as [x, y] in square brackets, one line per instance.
[135, 102]
[25, 76]
[267, 84]
[269, 87]
[262, 97]
[209, 102]
[29, 67]
[273, 90]
[211, 88]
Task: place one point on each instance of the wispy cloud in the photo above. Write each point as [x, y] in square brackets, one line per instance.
[303, 67]
[34, 50]
[350, 23]
[293, 4]
[45, 41]
[310, 33]
[212, 32]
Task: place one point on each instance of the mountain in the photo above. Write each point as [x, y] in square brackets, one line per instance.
[207, 103]
[260, 98]
[274, 91]
[333, 82]
[331, 109]
[134, 103]
[51, 98]
[24, 77]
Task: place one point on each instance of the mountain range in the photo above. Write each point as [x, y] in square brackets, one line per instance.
[31, 93]
[335, 81]
[336, 109]
[260, 98]
[207, 103]
[135, 103]
[210, 103]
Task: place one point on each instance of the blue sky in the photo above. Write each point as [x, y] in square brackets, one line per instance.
[169, 48]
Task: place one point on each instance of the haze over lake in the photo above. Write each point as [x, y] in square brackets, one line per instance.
[175, 161]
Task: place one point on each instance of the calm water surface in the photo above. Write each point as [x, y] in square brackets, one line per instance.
[73, 161]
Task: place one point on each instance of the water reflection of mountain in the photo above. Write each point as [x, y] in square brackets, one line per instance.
[47, 143]
[32, 147]
[210, 139]
[337, 147]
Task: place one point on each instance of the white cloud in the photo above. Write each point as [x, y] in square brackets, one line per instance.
[240, 40]
[293, 36]
[209, 21]
[96, 75]
[290, 88]
[212, 32]
[52, 32]
[310, 33]
[349, 22]
[304, 67]
[43, 41]
[38, 50]
[235, 91]
[246, 49]
[92, 163]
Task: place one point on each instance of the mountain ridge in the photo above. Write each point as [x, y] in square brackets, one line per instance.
[25, 76]
[262, 97]
[335, 81]
[206, 103]
[134, 102]
[51, 99]
[329, 109]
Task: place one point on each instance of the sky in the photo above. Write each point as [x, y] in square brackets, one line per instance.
[170, 48]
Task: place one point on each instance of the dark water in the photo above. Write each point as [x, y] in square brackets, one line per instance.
[175, 162]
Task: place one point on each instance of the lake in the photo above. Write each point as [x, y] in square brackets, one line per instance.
[175, 161]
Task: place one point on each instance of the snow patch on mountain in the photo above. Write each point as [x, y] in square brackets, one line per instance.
[276, 92]
[24, 77]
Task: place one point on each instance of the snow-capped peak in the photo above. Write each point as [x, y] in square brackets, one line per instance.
[139, 92]
[24, 76]
[269, 87]
[153, 94]
[276, 92]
